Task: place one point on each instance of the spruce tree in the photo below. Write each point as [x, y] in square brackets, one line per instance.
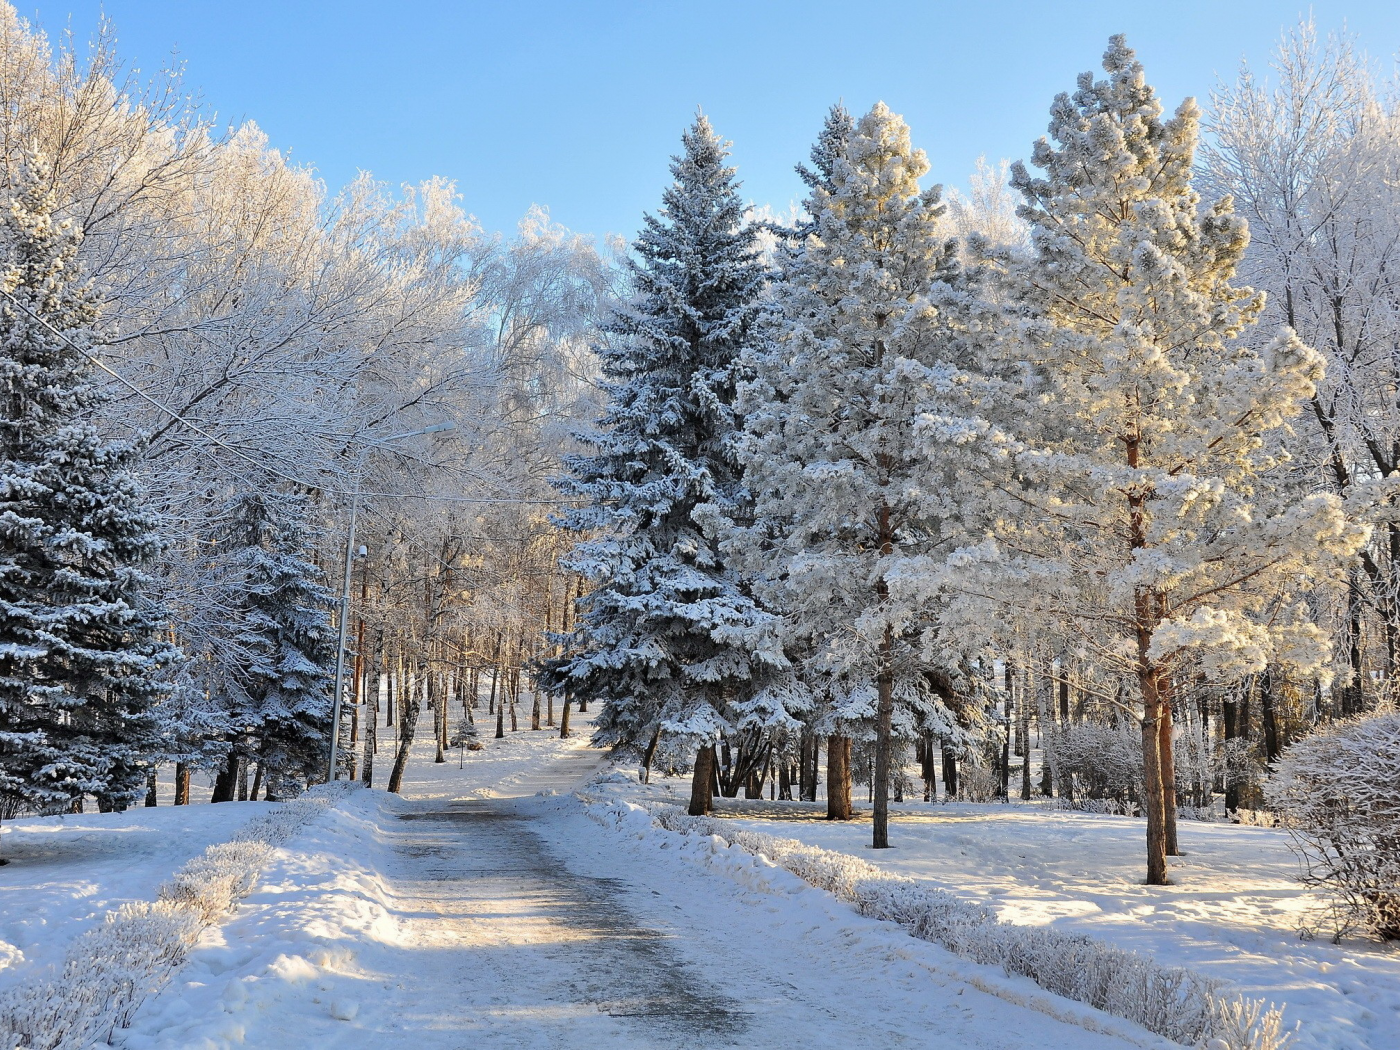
[869, 330]
[1142, 508]
[666, 638]
[80, 654]
[287, 632]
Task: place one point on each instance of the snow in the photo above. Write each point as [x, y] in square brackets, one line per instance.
[65, 873]
[1233, 911]
[518, 921]
[509, 766]
[488, 906]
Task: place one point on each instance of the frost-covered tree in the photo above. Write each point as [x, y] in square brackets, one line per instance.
[286, 631]
[1141, 509]
[666, 638]
[867, 328]
[1310, 153]
[80, 659]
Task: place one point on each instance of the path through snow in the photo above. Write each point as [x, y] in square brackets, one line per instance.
[519, 922]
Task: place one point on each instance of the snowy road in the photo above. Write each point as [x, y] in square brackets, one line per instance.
[519, 922]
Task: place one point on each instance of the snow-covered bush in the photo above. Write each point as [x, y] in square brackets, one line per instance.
[978, 783]
[1176, 1003]
[1338, 793]
[111, 969]
[1105, 758]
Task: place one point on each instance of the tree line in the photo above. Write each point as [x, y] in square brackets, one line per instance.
[911, 475]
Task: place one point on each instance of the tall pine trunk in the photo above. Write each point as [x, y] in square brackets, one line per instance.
[1152, 801]
[838, 777]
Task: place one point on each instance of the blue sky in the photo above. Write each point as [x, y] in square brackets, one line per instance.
[577, 105]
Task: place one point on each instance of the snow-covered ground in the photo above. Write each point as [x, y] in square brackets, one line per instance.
[65, 873]
[1233, 911]
[521, 922]
[487, 907]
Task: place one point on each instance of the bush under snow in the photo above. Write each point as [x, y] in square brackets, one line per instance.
[1179, 1004]
[109, 970]
[1338, 794]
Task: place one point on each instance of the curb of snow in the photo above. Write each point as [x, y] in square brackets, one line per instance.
[109, 970]
[1178, 1004]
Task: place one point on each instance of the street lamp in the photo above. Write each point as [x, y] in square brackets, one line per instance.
[436, 428]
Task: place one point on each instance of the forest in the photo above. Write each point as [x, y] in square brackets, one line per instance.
[1075, 485]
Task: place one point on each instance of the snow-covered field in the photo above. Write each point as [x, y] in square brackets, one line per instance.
[1233, 911]
[65, 873]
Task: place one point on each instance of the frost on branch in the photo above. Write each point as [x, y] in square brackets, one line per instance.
[1338, 792]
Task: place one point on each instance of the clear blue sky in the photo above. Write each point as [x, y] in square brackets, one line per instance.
[577, 104]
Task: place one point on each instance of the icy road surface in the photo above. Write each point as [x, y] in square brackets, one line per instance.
[519, 922]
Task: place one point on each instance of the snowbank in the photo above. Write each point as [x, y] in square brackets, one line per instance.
[109, 970]
[1173, 1002]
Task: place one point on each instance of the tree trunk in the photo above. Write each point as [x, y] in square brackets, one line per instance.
[226, 781]
[243, 778]
[1167, 751]
[1146, 616]
[928, 770]
[435, 701]
[1152, 801]
[838, 777]
[182, 784]
[1352, 699]
[257, 782]
[151, 799]
[807, 767]
[1067, 777]
[500, 714]
[884, 716]
[564, 718]
[702, 782]
[649, 754]
[371, 722]
[1230, 713]
[1272, 747]
[950, 773]
[409, 706]
[535, 710]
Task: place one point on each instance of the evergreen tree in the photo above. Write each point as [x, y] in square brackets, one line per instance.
[287, 631]
[666, 639]
[80, 657]
[869, 326]
[1141, 510]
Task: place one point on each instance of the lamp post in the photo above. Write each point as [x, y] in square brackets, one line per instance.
[331, 772]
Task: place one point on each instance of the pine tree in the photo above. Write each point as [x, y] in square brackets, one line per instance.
[287, 631]
[80, 656]
[665, 640]
[1140, 509]
[869, 326]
